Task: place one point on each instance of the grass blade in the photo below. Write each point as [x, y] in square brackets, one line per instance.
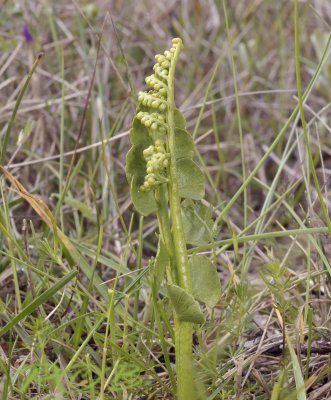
[38, 301]
[299, 381]
[17, 104]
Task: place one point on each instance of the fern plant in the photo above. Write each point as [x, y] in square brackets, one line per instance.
[165, 180]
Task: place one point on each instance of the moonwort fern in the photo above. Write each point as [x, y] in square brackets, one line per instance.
[163, 177]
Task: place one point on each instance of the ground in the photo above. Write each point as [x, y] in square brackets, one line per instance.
[266, 169]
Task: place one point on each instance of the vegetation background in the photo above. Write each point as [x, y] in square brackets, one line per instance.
[67, 336]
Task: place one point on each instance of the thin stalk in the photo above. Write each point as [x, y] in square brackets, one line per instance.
[17, 104]
[241, 136]
[110, 313]
[6, 222]
[160, 331]
[309, 322]
[81, 348]
[274, 144]
[174, 199]
[125, 321]
[61, 172]
[183, 330]
[84, 309]
[164, 226]
[90, 376]
[261, 236]
[303, 120]
[139, 265]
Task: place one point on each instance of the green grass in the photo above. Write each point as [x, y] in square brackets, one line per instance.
[82, 313]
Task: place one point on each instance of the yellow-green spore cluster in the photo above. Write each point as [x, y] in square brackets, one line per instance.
[157, 99]
[157, 161]
[153, 121]
[152, 113]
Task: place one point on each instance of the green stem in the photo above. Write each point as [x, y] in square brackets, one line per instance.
[184, 360]
[164, 225]
[183, 330]
[184, 278]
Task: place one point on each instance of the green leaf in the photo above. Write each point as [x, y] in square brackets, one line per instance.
[30, 308]
[191, 183]
[135, 170]
[184, 144]
[144, 202]
[197, 221]
[139, 134]
[135, 163]
[187, 309]
[179, 119]
[206, 285]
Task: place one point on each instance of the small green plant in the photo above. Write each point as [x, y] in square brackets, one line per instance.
[165, 180]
